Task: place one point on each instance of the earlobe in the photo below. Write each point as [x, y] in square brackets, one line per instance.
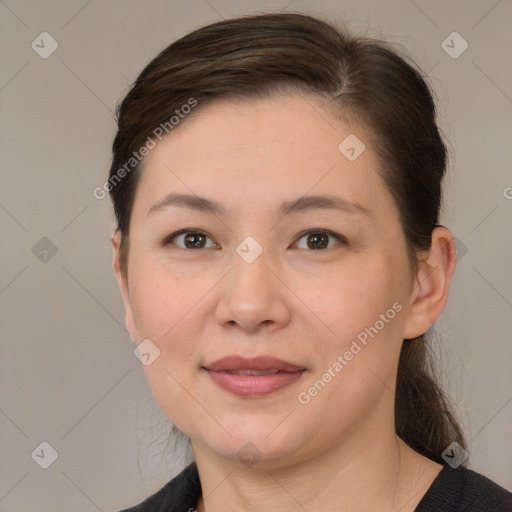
[123, 285]
[432, 283]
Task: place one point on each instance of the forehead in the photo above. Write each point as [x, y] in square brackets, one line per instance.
[294, 120]
[256, 151]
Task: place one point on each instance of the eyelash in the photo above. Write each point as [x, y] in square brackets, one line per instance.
[190, 231]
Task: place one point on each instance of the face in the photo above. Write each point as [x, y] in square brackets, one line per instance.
[268, 269]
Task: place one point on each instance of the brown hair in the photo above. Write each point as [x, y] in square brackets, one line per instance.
[261, 56]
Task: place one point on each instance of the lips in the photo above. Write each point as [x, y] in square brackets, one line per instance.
[253, 377]
[235, 363]
[251, 372]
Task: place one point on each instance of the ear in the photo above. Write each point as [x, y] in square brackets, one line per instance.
[432, 283]
[123, 285]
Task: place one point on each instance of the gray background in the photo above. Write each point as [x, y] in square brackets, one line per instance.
[68, 373]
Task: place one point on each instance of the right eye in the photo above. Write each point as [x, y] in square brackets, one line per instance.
[190, 239]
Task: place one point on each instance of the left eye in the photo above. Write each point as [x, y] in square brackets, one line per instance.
[316, 240]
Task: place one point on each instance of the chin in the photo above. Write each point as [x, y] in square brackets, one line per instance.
[258, 445]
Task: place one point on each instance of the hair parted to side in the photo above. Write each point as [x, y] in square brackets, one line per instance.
[359, 78]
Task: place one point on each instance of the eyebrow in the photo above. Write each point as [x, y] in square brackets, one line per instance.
[306, 203]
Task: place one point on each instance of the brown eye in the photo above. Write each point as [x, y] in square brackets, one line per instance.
[190, 240]
[194, 240]
[319, 240]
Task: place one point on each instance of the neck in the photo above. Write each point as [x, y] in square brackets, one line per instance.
[383, 474]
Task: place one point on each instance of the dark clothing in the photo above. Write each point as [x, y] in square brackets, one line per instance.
[453, 490]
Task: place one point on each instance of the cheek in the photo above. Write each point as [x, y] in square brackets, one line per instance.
[357, 363]
[364, 307]
[166, 311]
[161, 302]
[353, 298]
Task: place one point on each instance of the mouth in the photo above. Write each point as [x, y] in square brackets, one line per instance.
[253, 377]
[252, 372]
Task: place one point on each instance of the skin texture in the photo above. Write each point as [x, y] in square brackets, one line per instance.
[297, 303]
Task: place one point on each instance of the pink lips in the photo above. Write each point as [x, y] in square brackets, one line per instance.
[253, 377]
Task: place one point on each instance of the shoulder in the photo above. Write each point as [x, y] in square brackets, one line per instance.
[464, 490]
[180, 494]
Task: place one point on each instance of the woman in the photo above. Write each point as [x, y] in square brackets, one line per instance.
[277, 185]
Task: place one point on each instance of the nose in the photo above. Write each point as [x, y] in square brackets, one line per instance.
[252, 297]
